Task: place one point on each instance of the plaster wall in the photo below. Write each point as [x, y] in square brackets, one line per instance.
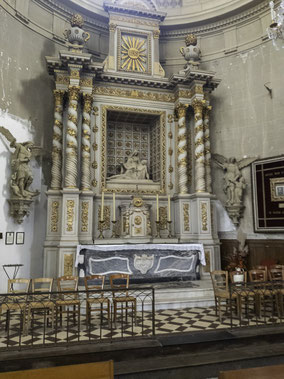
[26, 109]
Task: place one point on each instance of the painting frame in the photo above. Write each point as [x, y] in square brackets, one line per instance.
[9, 238]
[20, 238]
[268, 194]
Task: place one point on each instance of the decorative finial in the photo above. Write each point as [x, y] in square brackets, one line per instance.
[191, 39]
[77, 20]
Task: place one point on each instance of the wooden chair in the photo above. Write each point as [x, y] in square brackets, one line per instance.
[120, 283]
[96, 298]
[220, 282]
[16, 302]
[262, 268]
[41, 298]
[65, 285]
[257, 275]
[275, 274]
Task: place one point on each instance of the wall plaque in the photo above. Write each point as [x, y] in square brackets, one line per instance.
[268, 194]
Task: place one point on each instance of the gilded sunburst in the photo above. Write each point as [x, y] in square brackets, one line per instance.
[133, 54]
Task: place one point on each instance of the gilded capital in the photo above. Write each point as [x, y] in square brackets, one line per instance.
[74, 92]
[181, 110]
[58, 96]
[198, 105]
[87, 102]
[207, 109]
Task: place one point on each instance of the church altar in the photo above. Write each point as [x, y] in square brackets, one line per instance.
[144, 262]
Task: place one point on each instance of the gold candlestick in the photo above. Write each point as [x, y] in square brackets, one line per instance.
[158, 235]
[101, 229]
[169, 229]
[114, 234]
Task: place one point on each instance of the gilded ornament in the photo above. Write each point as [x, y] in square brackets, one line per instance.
[77, 20]
[112, 27]
[171, 169]
[191, 39]
[170, 118]
[137, 202]
[106, 223]
[171, 186]
[95, 146]
[70, 215]
[84, 216]
[170, 135]
[170, 151]
[54, 216]
[133, 56]
[163, 217]
[186, 217]
[73, 93]
[138, 220]
[74, 74]
[204, 216]
[199, 89]
[95, 165]
[181, 110]
[94, 183]
[156, 34]
[207, 261]
[62, 79]
[68, 264]
[86, 82]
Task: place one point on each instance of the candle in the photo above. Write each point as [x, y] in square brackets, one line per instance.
[157, 197]
[169, 208]
[102, 207]
[113, 206]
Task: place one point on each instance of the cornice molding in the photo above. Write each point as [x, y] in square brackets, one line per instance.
[239, 18]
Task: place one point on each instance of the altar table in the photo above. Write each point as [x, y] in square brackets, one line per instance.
[144, 262]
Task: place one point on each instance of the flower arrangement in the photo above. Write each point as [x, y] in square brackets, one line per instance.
[237, 261]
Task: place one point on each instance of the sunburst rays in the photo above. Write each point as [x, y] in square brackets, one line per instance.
[133, 54]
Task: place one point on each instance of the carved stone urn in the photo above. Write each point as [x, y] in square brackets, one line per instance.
[191, 52]
[76, 36]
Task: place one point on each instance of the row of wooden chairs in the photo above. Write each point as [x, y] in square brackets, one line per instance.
[67, 287]
[220, 282]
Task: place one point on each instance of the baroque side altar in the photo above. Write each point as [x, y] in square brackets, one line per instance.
[131, 148]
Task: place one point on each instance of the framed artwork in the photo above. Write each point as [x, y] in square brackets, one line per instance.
[268, 194]
[20, 238]
[9, 240]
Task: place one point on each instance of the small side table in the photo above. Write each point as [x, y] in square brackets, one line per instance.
[16, 269]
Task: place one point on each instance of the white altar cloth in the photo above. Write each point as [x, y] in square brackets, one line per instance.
[146, 247]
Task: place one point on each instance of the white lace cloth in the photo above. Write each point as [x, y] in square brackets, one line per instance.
[177, 247]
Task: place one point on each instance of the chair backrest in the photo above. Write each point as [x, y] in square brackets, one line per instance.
[42, 285]
[119, 282]
[232, 273]
[281, 267]
[220, 280]
[94, 282]
[67, 283]
[275, 274]
[257, 275]
[261, 267]
[18, 285]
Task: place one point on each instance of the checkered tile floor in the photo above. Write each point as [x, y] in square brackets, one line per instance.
[166, 321]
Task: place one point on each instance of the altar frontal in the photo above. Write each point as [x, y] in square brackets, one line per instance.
[144, 262]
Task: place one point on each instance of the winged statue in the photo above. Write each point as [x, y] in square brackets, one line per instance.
[21, 177]
[234, 181]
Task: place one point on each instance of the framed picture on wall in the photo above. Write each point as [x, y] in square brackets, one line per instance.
[9, 240]
[20, 238]
[268, 194]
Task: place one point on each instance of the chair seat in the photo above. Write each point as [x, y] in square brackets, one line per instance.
[98, 300]
[67, 302]
[124, 298]
[41, 304]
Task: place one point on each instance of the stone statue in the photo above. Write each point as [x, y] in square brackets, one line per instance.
[133, 168]
[21, 176]
[234, 183]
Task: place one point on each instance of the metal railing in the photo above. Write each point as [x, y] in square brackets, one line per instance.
[50, 318]
[256, 303]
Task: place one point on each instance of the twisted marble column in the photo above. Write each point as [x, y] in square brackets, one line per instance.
[86, 144]
[199, 146]
[71, 139]
[182, 149]
[56, 169]
[208, 178]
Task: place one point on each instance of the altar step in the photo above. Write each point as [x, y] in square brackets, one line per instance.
[198, 293]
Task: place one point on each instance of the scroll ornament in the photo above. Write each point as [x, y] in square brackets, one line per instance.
[234, 184]
[21, 176]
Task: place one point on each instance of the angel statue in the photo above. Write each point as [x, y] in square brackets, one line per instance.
[234, 181]
[21, 177]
